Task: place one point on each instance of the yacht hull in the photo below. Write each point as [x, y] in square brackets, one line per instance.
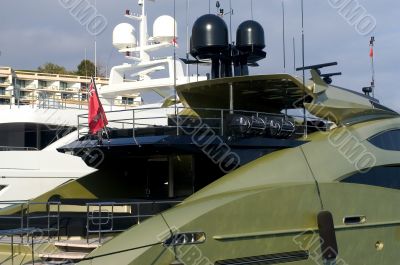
[270, 225]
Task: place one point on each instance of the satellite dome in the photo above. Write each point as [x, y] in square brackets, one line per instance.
[124, 36]
[250, 35]
[209, 35]
[165, 29]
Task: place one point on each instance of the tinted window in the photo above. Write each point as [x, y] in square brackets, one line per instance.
[389, 140]
[385, 176]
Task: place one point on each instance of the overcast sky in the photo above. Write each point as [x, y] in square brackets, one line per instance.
[40, 31]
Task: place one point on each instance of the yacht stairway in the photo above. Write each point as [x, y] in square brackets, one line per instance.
[69, 251]
[65, 231]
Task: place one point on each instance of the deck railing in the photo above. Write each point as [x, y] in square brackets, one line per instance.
[62, 99]
[101, 217]
[180, 120]
[16, 148]
[27, 215]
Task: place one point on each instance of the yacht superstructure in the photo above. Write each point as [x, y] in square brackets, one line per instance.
[39, 111]
[229, 175]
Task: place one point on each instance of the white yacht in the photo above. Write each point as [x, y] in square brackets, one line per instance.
[38, 118]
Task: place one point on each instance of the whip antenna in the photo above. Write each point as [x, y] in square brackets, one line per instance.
[187, 41]
[371, 54]
[175, 93]
[283, 36]
[294, 55]
[304, 72]
[230, 20]
[251, 9]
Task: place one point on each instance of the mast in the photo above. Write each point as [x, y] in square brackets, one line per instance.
[143, 32]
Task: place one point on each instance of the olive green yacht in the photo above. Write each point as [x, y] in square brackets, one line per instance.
[247, 169]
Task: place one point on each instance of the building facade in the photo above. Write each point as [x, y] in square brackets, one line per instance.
[52, 90]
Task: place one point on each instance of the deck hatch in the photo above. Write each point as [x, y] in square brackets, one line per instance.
[267, 259]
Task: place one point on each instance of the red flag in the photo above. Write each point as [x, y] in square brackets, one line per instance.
[371, 52]
[97, 116]
[174, 41]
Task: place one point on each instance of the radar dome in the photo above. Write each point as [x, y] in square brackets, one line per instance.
[124, 36]
[209, 35]
[250, 35]
[165, 29]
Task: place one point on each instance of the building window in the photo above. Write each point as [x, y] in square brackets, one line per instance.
[127, 101]
[20, 83]
[63, 85]
[3, 79]
[382, 176]
[84, 86]
[2, 91]
[4, 101]
[42, 84]
[389, 140]
[24, 94]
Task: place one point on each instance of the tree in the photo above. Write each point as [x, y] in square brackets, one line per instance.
[87, 68]
[52, 68]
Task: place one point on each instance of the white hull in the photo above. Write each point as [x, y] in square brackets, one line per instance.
[29, 174]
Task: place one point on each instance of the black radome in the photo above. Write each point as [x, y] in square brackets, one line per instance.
[209, 36]
[250, 36]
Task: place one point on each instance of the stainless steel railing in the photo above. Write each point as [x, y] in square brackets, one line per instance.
[16, 148]
[175, 118]
[101, 217]
[27, 216]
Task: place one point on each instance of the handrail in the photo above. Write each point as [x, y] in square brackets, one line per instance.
[216, 119]
[26, 216]
[17, 148]
[96, 220]
[98, 214]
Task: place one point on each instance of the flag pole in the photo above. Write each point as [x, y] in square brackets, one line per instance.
[102, 114]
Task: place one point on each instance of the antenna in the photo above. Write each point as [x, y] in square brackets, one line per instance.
[230, 20]
[371, 54]
[187, 40]
[251, 10]
[175, 93]
[222, 13]
[304, 71]
[209, 6]
[85, 64]
[294, 55]
[283, 36]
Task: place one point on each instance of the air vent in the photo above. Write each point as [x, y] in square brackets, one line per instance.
[276, 258]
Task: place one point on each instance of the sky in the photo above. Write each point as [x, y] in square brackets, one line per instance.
[35, 32]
